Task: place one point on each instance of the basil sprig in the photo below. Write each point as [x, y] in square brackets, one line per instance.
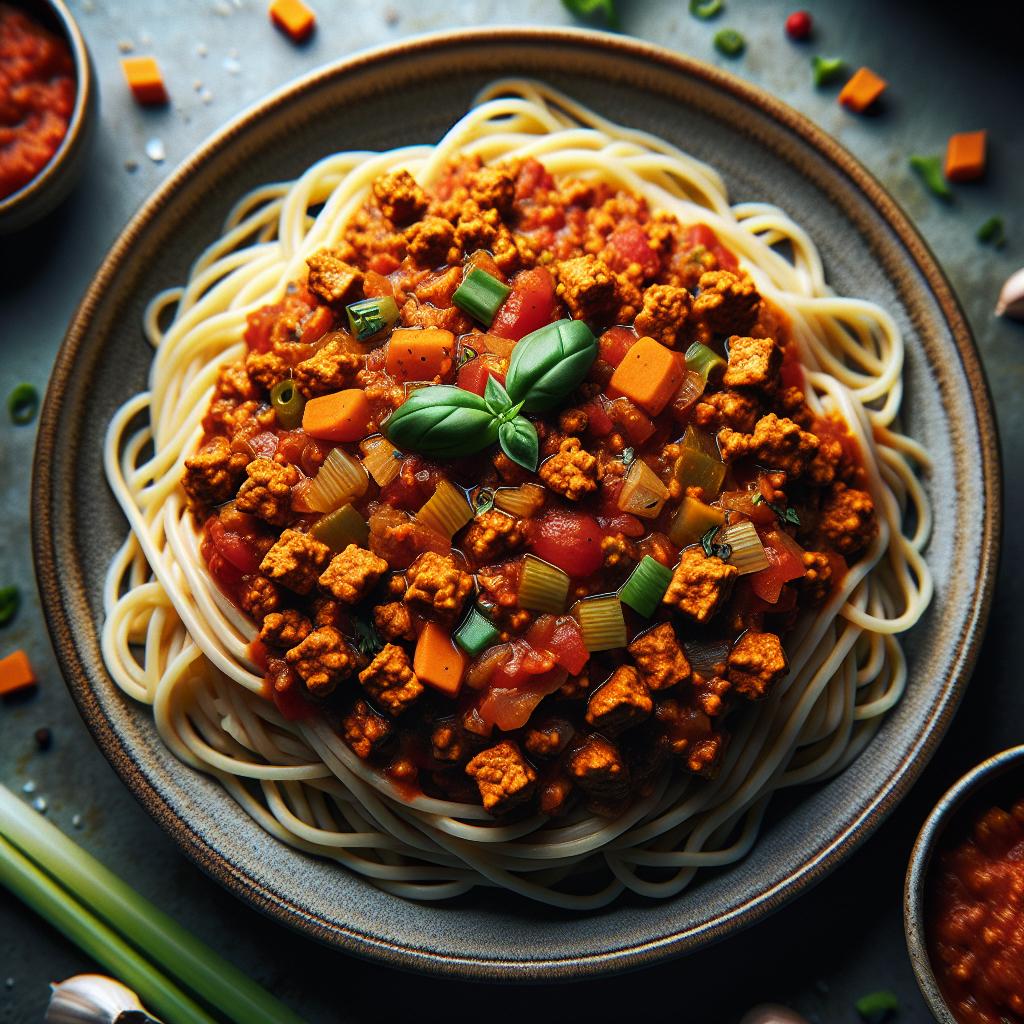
[442, 421]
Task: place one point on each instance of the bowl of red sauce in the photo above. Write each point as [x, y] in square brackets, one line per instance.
[48, 108]
[964, 897]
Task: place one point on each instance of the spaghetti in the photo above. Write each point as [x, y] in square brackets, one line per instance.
[173, 640]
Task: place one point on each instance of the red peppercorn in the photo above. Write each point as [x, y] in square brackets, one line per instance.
[798, 25]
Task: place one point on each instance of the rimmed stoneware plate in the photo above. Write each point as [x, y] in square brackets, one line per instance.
[411, 93]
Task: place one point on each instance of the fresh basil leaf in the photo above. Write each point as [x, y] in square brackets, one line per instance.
[518, 440]
[443, 422]
[496, 397]
[550, 363]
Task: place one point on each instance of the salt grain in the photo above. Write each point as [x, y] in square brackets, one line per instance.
[125, 45]
[222, 8]
[41, 804]
[8, 983]
[206, 96]
[201, 50]
[29, 787]
[76, 821]
[155, 151]
[231, 65]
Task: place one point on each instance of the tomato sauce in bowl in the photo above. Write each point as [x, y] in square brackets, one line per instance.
[975, 923]
[37, 97]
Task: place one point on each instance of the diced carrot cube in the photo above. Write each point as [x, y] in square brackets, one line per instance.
[419, 353]
[437, 661]
[145, 80]
[862, 90]
[16, 673]
[293, 18]
[649, 375]
[343, 416]
[965, 156]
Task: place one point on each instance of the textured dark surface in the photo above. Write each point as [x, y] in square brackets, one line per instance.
[847, 934]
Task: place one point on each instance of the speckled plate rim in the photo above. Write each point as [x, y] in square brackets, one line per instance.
[636, 954]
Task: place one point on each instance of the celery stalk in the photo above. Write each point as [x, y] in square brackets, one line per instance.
[161, 938]
[38, 891]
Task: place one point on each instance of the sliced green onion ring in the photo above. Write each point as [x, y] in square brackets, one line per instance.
[729, 42]
[706, 9]
[288, 403]
[929, 169]
[646, 586]
[480, 295]
[476, 633]
[369, 317]
[704, 360]
[10, 601]
[23, 404]
[825, 69]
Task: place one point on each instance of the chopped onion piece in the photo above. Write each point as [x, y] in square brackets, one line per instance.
[381, 459]
[643, 494]
[524, 502]
[341, 480]
[747, 550]
[446, 511]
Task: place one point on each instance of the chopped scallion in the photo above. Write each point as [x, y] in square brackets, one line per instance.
[706, 9]
[704, 360]
[826, 69]
[542, 587]
[288, 403]
[369, 317]
[480, 295]
[729, 42]
[23, 404]
[587, 9]
[10, 601]
[876, 1006]
[992, 232]
[476, 633]
[646, 586]
[602, 622]
[929, 169]
[340, 528]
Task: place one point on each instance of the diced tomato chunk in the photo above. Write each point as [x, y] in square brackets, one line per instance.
[785, 564]
[634, 422]
[630, 245]
[623, 523]
[473, 375]
[570, 540]
[233, 547]
[599, 423]
[615, 343]
[528, 307]
[701, 234]
[566, 644]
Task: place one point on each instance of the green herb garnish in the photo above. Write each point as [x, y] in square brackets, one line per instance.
[10, 602]
[365, 637]
[466, 353]
[929, 169]
[23, 404]
[785, 515]
[628, 457]
[711, 549]
[706, 9]
[729, 42]
[550, 363]
[992, 232]
[826, 69]
[877, 1006]
[588, 9]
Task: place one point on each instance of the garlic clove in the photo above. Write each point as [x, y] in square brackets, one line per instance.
[772, 1013]
[95, 999]
[1011, 297]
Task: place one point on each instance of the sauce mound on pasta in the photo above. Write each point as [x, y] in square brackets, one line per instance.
[526, 631]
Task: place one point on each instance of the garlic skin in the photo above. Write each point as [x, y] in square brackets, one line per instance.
[1011, 297]
[95, 999]
[772, 1013]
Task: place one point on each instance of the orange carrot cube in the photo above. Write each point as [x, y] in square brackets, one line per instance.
[965, 156]
[15, 673]
[862, 90]
[342, 416]
[145, 80]
[419, 353]
[649, 375]
[293, 18]
[437, 661]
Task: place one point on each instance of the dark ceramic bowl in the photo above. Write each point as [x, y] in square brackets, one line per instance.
[996, 782]
[413, 92]
[53, 183]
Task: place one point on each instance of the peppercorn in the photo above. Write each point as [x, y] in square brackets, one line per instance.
[43, 738]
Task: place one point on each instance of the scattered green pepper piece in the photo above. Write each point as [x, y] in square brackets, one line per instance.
[368, 317]
[929, 169]
[476, 633]
[729, 42]
[876, 1006]
[23, 404]
[826, 69]
[587, 9]
[288, 403]
[646, 586]
[992, 232]
[480, 295]
[706, 9]
[10, 601]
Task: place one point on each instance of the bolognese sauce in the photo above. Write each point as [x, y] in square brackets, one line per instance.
[525, 631]
[37, 96]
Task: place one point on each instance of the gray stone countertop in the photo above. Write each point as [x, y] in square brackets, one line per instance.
[949, 70]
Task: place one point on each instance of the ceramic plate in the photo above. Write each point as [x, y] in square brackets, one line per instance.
[411, 93]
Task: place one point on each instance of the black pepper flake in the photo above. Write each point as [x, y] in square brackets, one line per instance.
[43, 738]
